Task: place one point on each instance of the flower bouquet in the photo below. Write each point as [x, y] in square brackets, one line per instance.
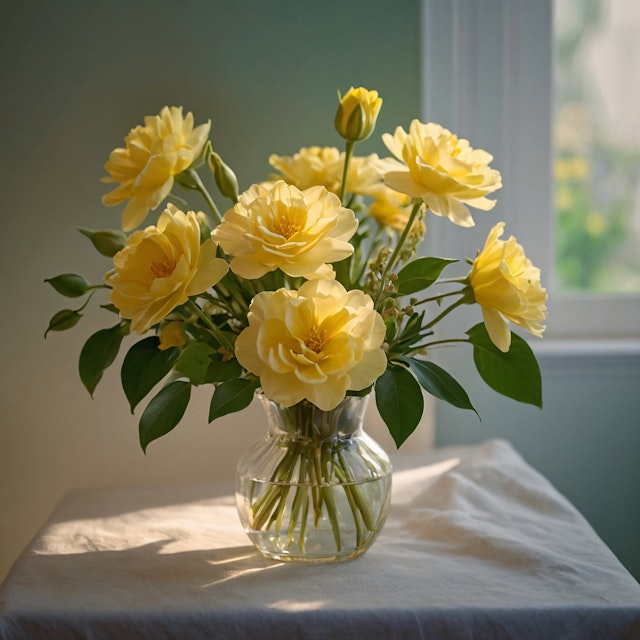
[308, 290]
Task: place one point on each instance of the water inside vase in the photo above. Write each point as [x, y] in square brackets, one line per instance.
[313, 523]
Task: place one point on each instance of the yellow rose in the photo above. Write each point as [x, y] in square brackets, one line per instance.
[160, 267]
[507, 286]
[443, 170]
[365, 174]
[312, 166]
[172, 335]
[280, 226]
[316, 343]
[357, 114]
[390, 208]
[165, 146]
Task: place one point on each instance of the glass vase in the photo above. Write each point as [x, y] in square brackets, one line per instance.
[317, 487]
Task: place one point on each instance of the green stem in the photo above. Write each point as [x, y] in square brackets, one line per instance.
[327, 494]
[350, 490]
[205, 194]
[300, 500]
[307, 483]
[268, 503]
[86, 302]
[446, 312]
[396, 252]
[464, 281]
[363, 506]
[444, 341]
[272, 502]
[234, 289]
[215, 330]
[282, 503]
[316, 471]
[438, 297]
[347, 157]
[375, 243]
[222, 301]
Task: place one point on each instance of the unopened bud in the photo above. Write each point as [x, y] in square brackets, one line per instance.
[224, 176]
[70, 285]
[357, 114]
[107, 241]
[172, 335]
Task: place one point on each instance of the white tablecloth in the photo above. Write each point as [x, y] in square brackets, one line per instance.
[477, 545]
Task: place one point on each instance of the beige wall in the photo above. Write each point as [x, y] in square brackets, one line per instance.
[75, 77]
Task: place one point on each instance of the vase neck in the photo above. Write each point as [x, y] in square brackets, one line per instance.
[304, 420]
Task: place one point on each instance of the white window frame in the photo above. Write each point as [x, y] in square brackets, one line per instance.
[487, 75]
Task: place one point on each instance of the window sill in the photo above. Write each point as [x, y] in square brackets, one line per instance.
[561, 347]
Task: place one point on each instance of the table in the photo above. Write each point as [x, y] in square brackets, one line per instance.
[477, 545]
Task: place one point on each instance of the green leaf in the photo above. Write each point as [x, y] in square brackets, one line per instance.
[420, 274]
[410, 335]
[343, 271]
[164, 412]
[98, 353]
[70, 285]
[110, 307]
[399, 401]
[232, 395]
[413, 325]
[107, 241]
[515, 374]
[63, 320]
[220, 369]
[143, 368]
[439, 383]
[195, 360]
[202, 364]
[391, 328]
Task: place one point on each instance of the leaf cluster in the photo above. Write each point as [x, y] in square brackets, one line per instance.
[382, 265]
[399, 398]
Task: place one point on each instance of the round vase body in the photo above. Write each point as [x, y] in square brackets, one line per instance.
[317, 487]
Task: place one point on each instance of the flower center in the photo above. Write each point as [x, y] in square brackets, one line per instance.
[285, 227]
[162, 268]
[287, 222]
[315, 340]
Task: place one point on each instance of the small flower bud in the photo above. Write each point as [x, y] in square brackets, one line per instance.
[224, 176]
[205, 225]
[70, 285]
[357, 114]
[172, 335]
[107, 241]
[227, 354]
[63, 320]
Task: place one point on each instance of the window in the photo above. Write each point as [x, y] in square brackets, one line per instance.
[488, 75]
[597, 145]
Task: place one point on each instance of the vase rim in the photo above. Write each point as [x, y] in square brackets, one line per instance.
[259, 393]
